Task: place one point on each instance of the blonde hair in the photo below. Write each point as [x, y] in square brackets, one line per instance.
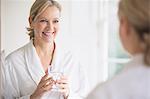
[39, 7]
[137, 13]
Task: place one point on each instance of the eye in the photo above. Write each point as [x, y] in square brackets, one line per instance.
[56, 21]
[43, 20]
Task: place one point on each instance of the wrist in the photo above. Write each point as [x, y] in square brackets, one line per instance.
[34, 97]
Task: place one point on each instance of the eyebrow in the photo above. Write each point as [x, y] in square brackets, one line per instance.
[47, 18]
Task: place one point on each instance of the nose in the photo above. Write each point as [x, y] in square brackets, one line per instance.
[50, 27]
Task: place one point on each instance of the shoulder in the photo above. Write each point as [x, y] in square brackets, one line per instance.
[122, 84]
[18, 54]
[100, 90]
[106, 89]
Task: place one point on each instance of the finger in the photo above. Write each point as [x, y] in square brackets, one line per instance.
[63, 86]
[47, 87]
[46, 82]
[62, 81]
[64, 91]
[46, 76]
[43, 78]
[49, 81]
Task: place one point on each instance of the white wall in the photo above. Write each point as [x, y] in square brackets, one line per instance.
[14, 23]
[85, 38]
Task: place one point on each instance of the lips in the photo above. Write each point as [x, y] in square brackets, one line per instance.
[48, 33]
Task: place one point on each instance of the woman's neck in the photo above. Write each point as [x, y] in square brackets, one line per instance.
[43, 48]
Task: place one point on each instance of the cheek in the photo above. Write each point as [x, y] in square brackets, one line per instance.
[39, 28]
[57, 27]
[122, 36]
[125, 40]
[120, 33]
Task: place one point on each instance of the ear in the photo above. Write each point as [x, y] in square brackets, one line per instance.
[30, 21]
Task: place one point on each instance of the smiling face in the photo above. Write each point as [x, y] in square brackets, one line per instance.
[46, 26]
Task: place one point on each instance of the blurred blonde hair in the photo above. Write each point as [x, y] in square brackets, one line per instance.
[137, 13]
[39, 7]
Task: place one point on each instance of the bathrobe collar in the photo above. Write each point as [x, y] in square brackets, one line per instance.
[34, 64]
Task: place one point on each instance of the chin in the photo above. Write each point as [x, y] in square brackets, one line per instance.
[132, 52]
[49, 41]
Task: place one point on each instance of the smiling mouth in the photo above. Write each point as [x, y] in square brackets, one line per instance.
[48, 33]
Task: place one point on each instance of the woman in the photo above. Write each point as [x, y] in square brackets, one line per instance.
[133, 81]
[26, 70]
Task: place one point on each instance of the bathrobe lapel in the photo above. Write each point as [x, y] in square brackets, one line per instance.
[34, 65]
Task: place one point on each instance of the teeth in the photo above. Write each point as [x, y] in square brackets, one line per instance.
[48, 33]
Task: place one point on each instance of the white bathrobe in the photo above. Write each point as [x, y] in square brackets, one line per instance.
[23, 71]
[132, 83]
